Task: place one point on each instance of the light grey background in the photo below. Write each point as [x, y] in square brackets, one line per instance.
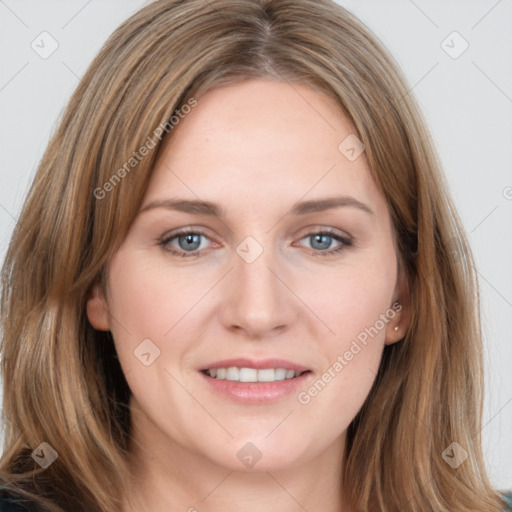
[467, 102]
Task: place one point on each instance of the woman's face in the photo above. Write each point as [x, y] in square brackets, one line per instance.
[271, 274]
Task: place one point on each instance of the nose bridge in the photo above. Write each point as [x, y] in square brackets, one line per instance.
[258, 301]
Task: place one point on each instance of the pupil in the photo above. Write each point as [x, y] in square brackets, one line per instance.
[319, 237]
[190, 240]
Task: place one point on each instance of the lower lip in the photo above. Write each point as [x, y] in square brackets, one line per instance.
[256, 392]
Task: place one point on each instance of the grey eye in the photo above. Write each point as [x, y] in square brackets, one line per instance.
[190, 241]
[321, 241]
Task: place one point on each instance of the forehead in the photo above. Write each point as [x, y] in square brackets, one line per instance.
[260, 142]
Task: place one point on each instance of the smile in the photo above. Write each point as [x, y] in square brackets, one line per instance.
[252, 374]
[251, 382]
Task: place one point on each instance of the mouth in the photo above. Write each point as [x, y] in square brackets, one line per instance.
[246, 374]
[248, 381]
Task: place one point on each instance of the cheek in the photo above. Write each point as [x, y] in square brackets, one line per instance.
[358, 314]
[356, 298]
[356, 306]
[361, 304]
[148, 302]
[146, 297]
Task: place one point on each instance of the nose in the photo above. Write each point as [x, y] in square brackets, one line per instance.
[258, 301]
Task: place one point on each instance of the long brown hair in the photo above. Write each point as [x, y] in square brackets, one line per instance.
[63, 384]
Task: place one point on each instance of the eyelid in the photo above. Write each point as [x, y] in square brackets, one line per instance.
[318, 229]
[184, 231]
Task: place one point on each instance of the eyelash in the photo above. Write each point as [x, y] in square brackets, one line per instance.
[164, 242]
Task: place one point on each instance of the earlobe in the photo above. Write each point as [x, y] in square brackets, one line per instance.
[398, 325]
[97, 309]
[395, 331]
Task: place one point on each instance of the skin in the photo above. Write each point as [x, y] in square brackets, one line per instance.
[255, 148]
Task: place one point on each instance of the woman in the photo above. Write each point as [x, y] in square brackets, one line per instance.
[233, 282]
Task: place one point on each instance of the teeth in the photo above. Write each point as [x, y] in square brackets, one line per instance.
[233, 374]
[248, 375]
[252, 374]
[280, 374]
[267, 375]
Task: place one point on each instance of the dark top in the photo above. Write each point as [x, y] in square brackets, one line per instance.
[6, 505]
[508, 499]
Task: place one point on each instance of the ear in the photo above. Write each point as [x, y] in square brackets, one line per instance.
[97, 309]
[401, 305]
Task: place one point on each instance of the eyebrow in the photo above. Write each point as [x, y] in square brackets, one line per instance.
[197, 207]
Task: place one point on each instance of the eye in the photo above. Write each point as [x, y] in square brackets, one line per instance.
[322, 240]
[188, 242]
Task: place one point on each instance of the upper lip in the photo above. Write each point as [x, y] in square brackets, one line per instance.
[260, 364]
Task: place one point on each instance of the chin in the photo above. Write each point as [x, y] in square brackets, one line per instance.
[250, 454]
